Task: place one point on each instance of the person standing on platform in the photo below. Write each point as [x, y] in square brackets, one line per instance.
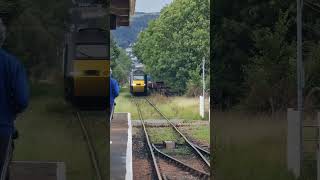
[14, 98]
[114, 92]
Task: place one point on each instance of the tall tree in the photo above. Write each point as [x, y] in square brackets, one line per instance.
[36, 33]
[173, 46]
[271, 72]
[120, 63]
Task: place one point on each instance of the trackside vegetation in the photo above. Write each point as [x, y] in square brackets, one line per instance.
[120, 64]
[36, 34]
[182, 108]
[255, 54]
[172, 47]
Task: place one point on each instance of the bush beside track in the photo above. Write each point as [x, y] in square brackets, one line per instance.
[258, 153]
[177, 107]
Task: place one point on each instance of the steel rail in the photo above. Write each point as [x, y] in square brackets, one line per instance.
[190, 169]
[159, 176]
[201, 149]
[91, 148]
[182, 135]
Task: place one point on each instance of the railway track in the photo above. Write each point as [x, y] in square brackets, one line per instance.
[91, 149]
[154, 160]
[199, 174]
[196, 148]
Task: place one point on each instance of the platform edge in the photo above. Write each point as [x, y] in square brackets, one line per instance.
[129, 170]
[61, 171]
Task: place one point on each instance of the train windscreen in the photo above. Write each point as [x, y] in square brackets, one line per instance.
[138, 77]
[92, 52]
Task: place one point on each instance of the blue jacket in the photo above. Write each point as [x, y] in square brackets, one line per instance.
[14, 94]
[114, 91]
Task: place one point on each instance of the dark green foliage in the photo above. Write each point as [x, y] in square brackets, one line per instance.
[254, 53]
[271, 71]
[236, 29]
[9, 8]
[120, 64]
[173, 46]
[194, 85]
[36, 33]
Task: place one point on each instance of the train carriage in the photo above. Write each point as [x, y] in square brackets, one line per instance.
[87, 72]
[138, 82]
[86, 60]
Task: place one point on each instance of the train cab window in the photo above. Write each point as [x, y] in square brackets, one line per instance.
[138, 77]
[92, 51]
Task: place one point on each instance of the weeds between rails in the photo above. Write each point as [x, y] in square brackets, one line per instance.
[181, 165]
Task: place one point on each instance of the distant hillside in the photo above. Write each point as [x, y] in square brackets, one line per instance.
[124, 36]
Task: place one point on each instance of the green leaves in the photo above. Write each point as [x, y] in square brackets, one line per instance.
[36, 34]
[270, 72]
[174, 44]
[120, 63]
[254, 53]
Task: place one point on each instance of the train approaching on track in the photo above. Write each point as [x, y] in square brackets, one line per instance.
[86, 60]
[86, 69]
[138, 82]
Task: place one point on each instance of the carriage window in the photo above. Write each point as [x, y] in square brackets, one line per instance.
[92, 51]
[138, 77]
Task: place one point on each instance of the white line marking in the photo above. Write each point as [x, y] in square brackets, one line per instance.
[129, 175]
[61, 171]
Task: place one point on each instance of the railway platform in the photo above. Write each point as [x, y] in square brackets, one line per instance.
[31, 170]
[121, 147]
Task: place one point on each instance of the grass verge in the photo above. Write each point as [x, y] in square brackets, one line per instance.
[158, 135]
[173, 107]
[125, 104]
[199, 132]
[250, 147]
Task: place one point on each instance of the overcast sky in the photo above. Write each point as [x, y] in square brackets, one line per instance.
[151, 5]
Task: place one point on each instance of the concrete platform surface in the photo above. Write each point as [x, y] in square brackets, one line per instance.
[31, 170]
[121, 147]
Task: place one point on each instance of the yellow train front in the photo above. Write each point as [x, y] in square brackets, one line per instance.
[138, 83]
[86, 71]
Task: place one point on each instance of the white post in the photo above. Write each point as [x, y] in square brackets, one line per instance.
[201, 106]
[203, 78]
[202, 98]
[209, 108]
[293, 142]
[204, 86]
